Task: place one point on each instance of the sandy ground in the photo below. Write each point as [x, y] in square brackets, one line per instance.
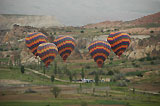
[6, 81]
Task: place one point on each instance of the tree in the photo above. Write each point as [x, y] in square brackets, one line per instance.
[93, 91]
[75, 75]
[133, 90]
[96, 78]
[79, 90]
[56, 91]
[55, 67]
[44, 69]
[52, 78]
[151, 31]
[84, 103]
[82, 73]
[110, 72]
[82, 31]
[22, 69]
[70, 76]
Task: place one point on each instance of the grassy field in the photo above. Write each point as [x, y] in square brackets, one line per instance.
[73, 94]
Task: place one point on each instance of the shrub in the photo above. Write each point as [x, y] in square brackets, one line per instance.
[70, 77]
[110, 72]
[56, 91]
[101, 72]
[84, 103]
[152, 63]
[136, 73]
[96, 78]
[87, 67]
[113, 79]
[52, 78]
[29, 90]
[116, 71]
[22, 69]
[122, 84]
[141, 59]
[82, 73]
[82, 31]
[116, 77]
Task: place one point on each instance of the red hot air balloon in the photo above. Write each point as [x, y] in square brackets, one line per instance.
[65, 45]
[119, 42]
[99, 50]
[47, 52]
[33, 40]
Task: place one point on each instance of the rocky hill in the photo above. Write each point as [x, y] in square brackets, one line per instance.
[105, 24]
[13, 45]
[152, 20]
[8, 20]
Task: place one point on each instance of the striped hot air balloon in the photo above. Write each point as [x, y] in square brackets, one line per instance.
[47, 52]
[99, 50]
[65, 45]
[33, 40]
[119, 42]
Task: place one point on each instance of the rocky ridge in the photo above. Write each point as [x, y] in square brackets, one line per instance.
[8, 20]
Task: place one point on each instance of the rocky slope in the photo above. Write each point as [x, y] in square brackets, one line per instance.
[140, 48]
[7, 21]
[152, 20]
[14, 46]
[105, 24]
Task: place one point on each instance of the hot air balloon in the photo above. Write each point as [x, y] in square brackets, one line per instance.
[47, 52]
[33, 40]
[119, 42]
[99, 50]
[65, 45]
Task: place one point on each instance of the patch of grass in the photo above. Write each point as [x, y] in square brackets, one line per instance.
[109, 102]
[28, 76]
[135, 73]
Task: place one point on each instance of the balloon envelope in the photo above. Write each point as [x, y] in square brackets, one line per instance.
[119, 42]
[99, 50]
[33, 40]
[65, 45]
[47, 52]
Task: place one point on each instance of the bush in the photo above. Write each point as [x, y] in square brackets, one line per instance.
[84, 103]
[141, 59]
[122, 84]
[101, 72]
[110, 72]
[22, 69]
[116, 77]
[82, 31]
[87, 67]
[29, 90]
[113, 79]
[135, 73]
[52, 78]
[152, 63]
[116, 71]
[96, 78]
[56, 91]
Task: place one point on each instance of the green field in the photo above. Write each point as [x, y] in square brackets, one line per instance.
[106, 93]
